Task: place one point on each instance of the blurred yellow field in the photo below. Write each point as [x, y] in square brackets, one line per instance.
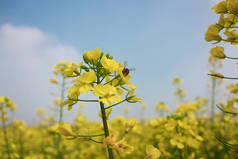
[205, 127]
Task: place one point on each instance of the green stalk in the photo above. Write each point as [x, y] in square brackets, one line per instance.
[213, 99]
[62, 99]
[21, 152]
[104, 120]
[180, 154]
[105, 127]
[5, 133]
[233, 58]
[59, 154]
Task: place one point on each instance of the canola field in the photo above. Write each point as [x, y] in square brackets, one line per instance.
[198, 129]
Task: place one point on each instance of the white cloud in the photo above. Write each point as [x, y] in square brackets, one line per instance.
[27, 56]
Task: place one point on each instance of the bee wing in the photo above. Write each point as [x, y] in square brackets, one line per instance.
[132, 69]
[125, 63]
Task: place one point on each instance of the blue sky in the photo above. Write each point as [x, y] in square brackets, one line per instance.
[161, 39]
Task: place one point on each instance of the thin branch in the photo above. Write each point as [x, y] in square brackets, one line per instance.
[113, 105]
[223, 141]
[223, 77]
[99, 142]
[225, 111]
[89, 136]
[112, 79]
[233, 58]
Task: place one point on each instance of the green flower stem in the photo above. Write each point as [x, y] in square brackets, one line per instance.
[223, 141]
[89, 136]
[233, 58]
[124, 88]
[106, 131]
[21, 151]
[232, 41]
[5, 133]
[233, 78]
[113, 105]
[62, 99]
[112, 79]
[103, 79]
[213, 95]
[59, 154]
[98, 142]
[229, 112]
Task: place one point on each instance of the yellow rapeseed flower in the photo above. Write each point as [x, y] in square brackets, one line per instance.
[54, 81]
[122, 147]
[161, 106]
[84, 82]
[176, 80]
[232, 36]
[132, 97]
[212, 33]
[109, 64]
[65, 129]
[9, 103]
[218, 52]
[152, 152]
[220, 7]
[125, 79]
[93, 56]
[232, 5]
[111, 139]
[106, 94]
[177, 142]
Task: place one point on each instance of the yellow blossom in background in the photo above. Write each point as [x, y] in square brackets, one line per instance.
[176, 81]
[178, 142]
[122, 147]
[57, 101]
[161, 106]
[111, 139]
[9, 103]
[130, 124]
[180, 92]
[152, 152]
[65, 129]
[126, 110]
[82, 105]
[40, 112]
[54, 81]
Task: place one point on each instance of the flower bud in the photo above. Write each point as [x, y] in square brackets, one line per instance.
[218, 52]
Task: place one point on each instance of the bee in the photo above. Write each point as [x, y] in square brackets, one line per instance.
[126, 70]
